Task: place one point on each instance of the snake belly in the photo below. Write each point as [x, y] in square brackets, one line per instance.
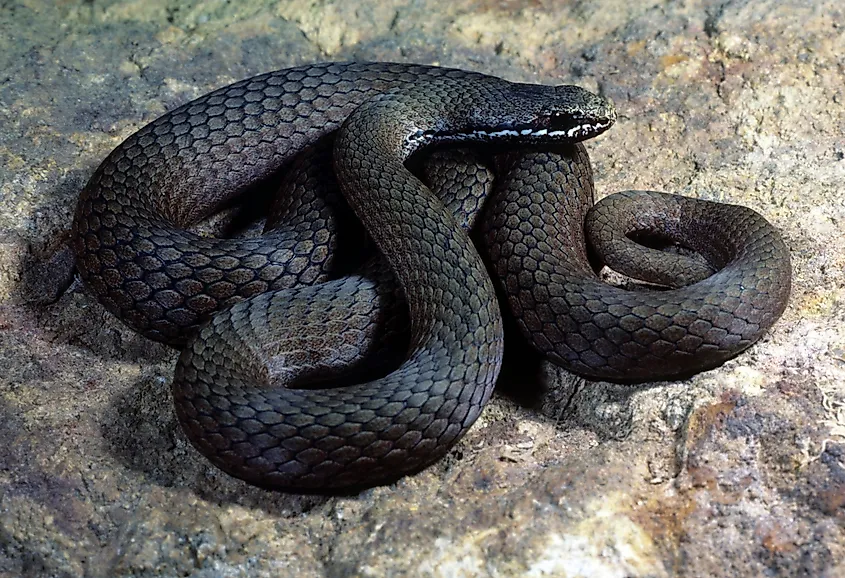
[133, 252]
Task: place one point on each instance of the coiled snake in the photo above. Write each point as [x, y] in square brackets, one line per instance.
[265, 321]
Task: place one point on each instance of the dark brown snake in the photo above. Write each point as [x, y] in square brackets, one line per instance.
[276, 319]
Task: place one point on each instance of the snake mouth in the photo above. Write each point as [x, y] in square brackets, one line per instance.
[560, 127]
[550, 128]
[573, 127]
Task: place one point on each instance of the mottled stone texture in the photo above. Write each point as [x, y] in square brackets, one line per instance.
[736, 472]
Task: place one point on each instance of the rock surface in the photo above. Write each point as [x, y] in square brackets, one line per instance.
[739, 471]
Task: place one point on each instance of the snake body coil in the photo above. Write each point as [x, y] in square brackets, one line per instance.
[240, 383]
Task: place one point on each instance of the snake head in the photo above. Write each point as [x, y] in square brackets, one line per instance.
[578, 114]
[543, 114]
[488, 109]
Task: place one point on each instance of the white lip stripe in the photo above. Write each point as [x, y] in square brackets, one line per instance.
[574, 132]
[501, 133]
[570, 133]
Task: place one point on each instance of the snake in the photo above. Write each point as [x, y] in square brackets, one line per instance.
[266, 324]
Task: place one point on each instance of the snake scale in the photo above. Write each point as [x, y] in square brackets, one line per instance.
[265, 322]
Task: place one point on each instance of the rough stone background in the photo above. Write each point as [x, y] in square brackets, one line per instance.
[739, 471]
